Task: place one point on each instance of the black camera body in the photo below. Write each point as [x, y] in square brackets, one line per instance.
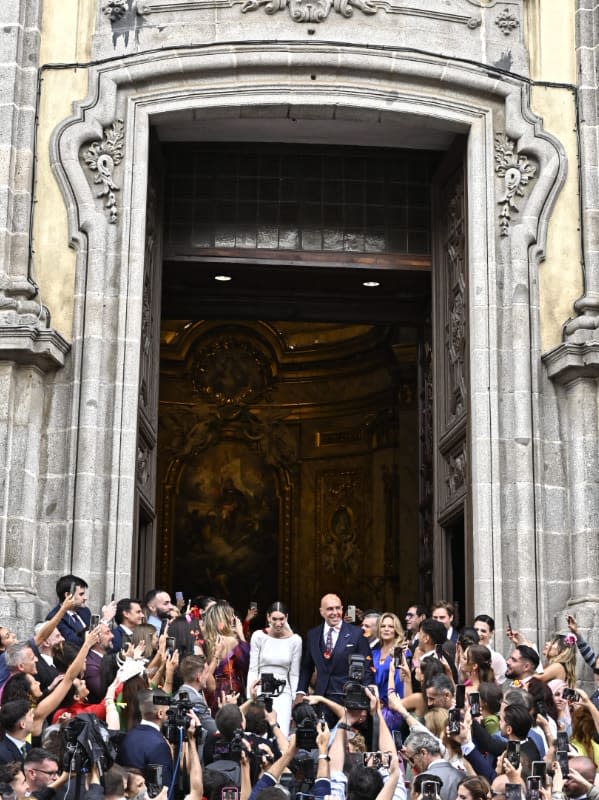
[177, 721]
[271, 686]
[357, 669]
[305, 734]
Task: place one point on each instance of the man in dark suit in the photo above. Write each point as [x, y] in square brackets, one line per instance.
[76, 621]
[129, 614]
[327, 650]
[144, 744]
[16, 720]
[444, 612]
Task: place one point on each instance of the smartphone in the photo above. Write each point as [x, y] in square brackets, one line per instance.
[377, 759]
[453, 721]
[429, 790]
[72, 588]
[351, 613]
[570, 695]
[254, 605]
[94, 620]
[533, 784]
[397, 657]
[153, 776]
[170, 645]
[563, 742]
[509, 624]
[474, 700]
[178, 595]
[562, 759]
[229, 793]
[163, 626]
[513, 754]
[513, 791]
[460, 695]
[398, 740]
[539, 769]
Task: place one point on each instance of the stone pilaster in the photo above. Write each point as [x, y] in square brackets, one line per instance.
[29, 348]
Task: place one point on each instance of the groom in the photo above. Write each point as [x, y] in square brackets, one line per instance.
[327, 650]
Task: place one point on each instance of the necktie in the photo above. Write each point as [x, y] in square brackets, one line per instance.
[328, 645]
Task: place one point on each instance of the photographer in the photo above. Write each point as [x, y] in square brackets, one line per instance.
[144, 744]
[322, 784]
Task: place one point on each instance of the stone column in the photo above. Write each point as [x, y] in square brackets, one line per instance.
[29, 348]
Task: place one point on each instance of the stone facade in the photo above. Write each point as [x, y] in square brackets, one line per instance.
[327, 71]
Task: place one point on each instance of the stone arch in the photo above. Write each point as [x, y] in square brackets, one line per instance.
[358, 84]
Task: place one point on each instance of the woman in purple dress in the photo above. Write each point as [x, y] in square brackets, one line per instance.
[226, 643]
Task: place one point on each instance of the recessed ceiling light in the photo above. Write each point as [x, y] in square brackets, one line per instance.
[222, 277]
[371, 284]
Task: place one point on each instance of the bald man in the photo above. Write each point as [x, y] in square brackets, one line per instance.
[586, 769]
[327, 650]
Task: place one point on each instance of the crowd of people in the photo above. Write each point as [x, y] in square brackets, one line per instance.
[159, 699]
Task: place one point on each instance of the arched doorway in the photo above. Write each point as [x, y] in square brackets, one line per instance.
[353, 397]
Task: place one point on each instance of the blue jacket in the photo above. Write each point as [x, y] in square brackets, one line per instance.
[144, 745]
[331, 673]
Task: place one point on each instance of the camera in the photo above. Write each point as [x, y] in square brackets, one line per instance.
[354, 696]
[270, 687]
[357, 668]
[305, 734]
[177, 720]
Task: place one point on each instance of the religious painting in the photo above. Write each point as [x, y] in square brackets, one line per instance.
[226, 526]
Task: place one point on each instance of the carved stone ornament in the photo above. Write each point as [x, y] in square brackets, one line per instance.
[516, 171]
[231, 371]
[310, 10]
[115, 9]
[456, 473]
[506, 21]
[102, 157]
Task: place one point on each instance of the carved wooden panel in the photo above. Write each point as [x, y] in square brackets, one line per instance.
[451, 339]
[149, 376]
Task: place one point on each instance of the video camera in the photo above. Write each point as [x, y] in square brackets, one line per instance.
[354, 696]
[177, 720]
[269, 687]
[238, 745]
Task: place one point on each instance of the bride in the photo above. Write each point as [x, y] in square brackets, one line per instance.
[277, 650]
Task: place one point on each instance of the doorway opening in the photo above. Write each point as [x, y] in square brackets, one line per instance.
[294, 450]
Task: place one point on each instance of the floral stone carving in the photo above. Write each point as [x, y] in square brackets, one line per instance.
[506, 21]
[102, 157]
[516, 171]
[115, 9]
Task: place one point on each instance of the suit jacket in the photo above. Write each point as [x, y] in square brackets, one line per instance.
[331, 673]
[120, 638]
[144, 745]
[9, 752]
[69, 628]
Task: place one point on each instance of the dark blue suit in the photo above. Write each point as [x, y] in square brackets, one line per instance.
[9, 752]
[331, 673]
[70, 628]
[145, 745]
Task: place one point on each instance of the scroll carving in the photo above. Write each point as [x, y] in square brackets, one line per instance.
[311, 10]
[516, 171]
[102, 157]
